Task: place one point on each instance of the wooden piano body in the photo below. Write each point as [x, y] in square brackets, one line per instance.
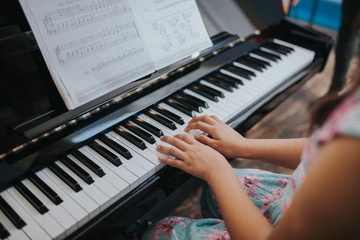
[37, 131]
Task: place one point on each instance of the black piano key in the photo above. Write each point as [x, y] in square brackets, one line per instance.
[66, 178]
[115, 146]
[11, 214]
[203, 93]
[228, 78]
[259, 61]
[142, 123]
[196, 100]
[251, 64]
[157, 117]
[140, 132]
[44, 188]
[192, 105]
[105, 153]
[242, 72]
[267, 55]
[168, 114]
[222, 84]
[77, 170]
[182, 108]
[88, 163]
[278, 48]
[131, 138]
[28, 195]
[3, 232]
[210, 90]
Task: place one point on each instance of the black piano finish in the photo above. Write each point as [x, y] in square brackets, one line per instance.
[54, 131]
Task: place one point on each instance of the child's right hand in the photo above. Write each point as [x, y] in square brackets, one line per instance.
[224, 139]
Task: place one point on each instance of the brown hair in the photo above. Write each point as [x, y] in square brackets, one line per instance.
[320, 110]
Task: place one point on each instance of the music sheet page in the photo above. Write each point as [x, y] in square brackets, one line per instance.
[91, 47]
[173, 29]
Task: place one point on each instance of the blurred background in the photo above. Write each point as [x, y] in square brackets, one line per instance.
[325, 13]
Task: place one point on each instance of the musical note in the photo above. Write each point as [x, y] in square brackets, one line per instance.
[118, 59]
[76, 16]
[109, 37]
[175, 30]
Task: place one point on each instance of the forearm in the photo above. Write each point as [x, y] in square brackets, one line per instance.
[282, 152]
[243, 220]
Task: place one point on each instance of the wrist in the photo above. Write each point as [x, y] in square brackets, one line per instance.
[243, 148]
[219, 174]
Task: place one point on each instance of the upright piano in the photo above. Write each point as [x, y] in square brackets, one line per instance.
[70, 173]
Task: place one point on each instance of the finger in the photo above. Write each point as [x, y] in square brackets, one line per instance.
[170, 151]
[203, 118]
[185, 138]
[205, 140]
[205, 127]
[176, 142]
[171, 162]
[216, 118]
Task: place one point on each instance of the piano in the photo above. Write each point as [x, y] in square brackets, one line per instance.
[67, 174]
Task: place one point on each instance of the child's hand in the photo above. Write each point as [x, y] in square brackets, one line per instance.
[224, 139]
[192, 156]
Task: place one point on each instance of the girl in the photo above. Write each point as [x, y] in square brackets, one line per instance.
[320, 200]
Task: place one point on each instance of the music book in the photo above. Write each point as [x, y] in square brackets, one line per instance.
[93, 47]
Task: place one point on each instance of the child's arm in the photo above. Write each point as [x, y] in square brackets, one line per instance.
[224, 139]
[326, 206]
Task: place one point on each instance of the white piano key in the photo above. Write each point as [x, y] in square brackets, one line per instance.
[91, 190]
[141, 161]
[128, 164]
[232, 100]
[120, 171]
[73, 208]
[164, 129]
[146, 153]
[109, 175]
[185, 117]
[15, 234]
[248, 84]
[57, 212]
[32, 228]
[160, 126]
[234, 96]
[80, 197]
[219, 112]
[265, 78]
[52, 228]
[106, 187]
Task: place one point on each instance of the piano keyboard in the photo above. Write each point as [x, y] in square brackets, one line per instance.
[55, 201]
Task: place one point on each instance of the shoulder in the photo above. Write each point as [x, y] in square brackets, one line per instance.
[344, 120]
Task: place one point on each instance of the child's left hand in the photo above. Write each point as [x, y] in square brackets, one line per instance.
[192, 156]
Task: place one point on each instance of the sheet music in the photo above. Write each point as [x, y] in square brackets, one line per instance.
[93, 47]
[173, 29]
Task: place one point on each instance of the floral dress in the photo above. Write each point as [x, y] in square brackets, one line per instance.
[271, 193]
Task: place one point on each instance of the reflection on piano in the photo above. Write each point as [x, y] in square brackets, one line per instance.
[64, 174]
